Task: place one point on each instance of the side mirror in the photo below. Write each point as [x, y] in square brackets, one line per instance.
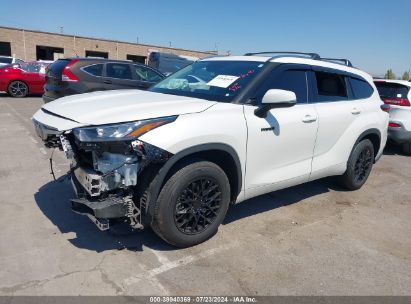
[275, 98]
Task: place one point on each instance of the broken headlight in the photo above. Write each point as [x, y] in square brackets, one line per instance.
[122, 131]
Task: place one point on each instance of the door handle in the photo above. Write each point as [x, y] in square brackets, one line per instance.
[309, 118]
[355, 111]
[107, 81]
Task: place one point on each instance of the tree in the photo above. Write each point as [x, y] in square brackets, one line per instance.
[389, 75]
[406, 76]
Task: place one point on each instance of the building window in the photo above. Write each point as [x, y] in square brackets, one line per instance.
[137, 58]
[48, 52]
[5, 49]
[96, 54]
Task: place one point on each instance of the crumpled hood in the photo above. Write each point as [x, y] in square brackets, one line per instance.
[123, 105]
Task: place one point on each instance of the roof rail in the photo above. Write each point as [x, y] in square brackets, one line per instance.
[312, 55]
[344, 61]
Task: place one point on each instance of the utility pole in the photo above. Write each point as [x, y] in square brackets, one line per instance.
[137, 39]
[61, 29]
[169, 43]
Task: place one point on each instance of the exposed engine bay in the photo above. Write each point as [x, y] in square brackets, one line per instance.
[105, 176]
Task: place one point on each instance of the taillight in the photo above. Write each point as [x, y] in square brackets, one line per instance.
[67, 74]
[394, 125]
[403, 102]
[386, 108]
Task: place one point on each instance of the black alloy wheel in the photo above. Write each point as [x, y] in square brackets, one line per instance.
[198, 206]
[363, 165]
[18, 89]
[192, 204]
[359, 165]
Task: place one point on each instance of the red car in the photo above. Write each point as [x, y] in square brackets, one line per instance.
[21, 79]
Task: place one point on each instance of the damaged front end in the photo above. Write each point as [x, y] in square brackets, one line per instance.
[106, 164]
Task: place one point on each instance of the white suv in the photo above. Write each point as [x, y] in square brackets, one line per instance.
[397, 93]
[220, 131]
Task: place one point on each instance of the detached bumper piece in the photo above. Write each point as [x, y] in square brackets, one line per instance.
[101, 210]
[108, 208]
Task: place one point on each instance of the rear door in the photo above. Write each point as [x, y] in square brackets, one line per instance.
[118, 76]
[92, 77]
[337, 110]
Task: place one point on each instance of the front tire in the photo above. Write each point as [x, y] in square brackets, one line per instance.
[18, 89]
[359, 165]
[192, 204]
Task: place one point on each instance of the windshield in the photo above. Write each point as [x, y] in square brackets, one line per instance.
[6, 60]
[211, 80]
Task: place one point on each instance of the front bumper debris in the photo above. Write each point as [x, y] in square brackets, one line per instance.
[114, 207]
[104, 176]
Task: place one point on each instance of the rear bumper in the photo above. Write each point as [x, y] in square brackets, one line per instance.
[399, 135]
[47, 99]
[52, 92]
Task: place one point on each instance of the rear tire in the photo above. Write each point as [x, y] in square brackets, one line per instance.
[18, 89]
[192, 204]
[359, 166]
[406, 148]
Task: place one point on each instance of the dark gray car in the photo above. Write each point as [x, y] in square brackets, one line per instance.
[81, 75]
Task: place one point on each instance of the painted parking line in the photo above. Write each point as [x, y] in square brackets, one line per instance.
[178, 263]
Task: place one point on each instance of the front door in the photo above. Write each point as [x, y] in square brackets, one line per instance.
[280, 146]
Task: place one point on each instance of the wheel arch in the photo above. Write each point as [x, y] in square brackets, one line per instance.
[221, 154]
[374, 135]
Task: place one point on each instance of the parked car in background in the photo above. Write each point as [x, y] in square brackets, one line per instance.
[397, 93]
[168, 63]
[75, 76]
[23, 78]
[6, 60]
[176, 156]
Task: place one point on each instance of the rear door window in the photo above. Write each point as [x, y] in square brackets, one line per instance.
[95, 69]
[361, 88]
[146, 74]
[391, 90]
[118, 71]
[331, 87]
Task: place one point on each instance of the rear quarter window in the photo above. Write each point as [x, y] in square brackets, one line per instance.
[95, 69]
[361, 88]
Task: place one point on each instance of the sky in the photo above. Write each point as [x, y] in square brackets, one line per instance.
[374, 35]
